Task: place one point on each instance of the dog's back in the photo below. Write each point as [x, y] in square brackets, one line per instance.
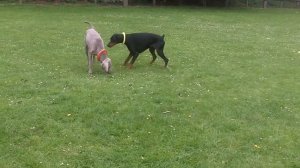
[143, 41]
[93, 40]
[146, 38]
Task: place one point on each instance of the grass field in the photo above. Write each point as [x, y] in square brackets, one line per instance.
[230, 97]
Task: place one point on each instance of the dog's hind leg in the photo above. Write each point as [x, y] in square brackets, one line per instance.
[90, 62]
[159, 47]
[86, 51]
[152, 51]
[160, 52]
[89, 57]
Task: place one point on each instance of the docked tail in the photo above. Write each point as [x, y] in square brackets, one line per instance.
[163, 36]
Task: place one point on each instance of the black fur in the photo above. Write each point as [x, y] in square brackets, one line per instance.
[138, 43]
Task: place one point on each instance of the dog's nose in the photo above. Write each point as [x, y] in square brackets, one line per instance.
[110, 44]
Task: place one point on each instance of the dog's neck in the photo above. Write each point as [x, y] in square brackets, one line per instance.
[103, 58]
[124, 37]
[102, 55]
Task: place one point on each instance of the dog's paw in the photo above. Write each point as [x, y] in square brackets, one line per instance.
[130, 66]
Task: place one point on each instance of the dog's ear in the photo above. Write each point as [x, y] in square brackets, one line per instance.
[116, 38]
[112, 38]
[119, 38]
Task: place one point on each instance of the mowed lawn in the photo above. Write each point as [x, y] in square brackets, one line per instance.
[229, 98]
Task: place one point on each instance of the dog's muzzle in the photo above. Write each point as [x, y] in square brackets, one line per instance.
[111, 44]
[106, 65]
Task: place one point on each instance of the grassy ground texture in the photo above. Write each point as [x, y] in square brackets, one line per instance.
[230, 97]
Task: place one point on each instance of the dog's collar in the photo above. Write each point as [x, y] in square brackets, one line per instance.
[124, 37]
[101, 53]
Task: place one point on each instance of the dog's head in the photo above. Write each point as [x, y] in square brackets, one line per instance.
[106, 65]
[115, 39]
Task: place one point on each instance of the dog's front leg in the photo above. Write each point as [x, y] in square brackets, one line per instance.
[134, 57]
[127, 59]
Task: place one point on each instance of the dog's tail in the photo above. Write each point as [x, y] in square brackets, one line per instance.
[163, 36]
[91, 26]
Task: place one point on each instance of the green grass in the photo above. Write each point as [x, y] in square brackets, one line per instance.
[230, 97]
